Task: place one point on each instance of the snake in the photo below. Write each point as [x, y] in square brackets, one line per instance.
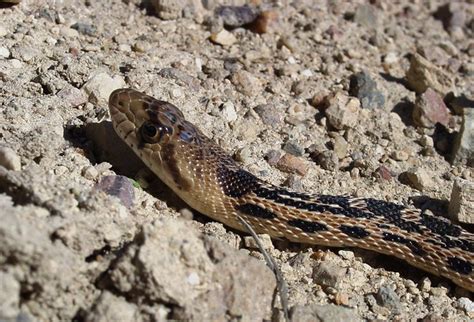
[210, 181]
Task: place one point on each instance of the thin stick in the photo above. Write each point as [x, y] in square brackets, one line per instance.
[281, 283]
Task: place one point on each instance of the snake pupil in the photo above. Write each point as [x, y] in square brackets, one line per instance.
[149, 130]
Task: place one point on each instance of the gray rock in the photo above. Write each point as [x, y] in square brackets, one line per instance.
[201, 278]
[270, 114]
[236, 16]
[387, 297]
[109, 307]
[463, 151]
[342, 111]
[293, 148]
[329, 273]
[461, 204]
[366, 15]
[85, 28]
[246, 83]
[175, 9]
[417, 178]
[327, 159]
[183, 78]
[364, 88]
[118, 186]
[323, 313]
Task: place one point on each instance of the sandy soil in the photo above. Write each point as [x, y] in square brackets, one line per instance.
[79, 241]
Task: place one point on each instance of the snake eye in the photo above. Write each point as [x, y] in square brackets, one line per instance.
[149, 132]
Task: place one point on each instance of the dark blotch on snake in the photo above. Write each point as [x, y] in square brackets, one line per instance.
[354, 231]
[307, 226]
[255, 211]
[440, 226]
[460, 265]
[238, 183]
[412, 244]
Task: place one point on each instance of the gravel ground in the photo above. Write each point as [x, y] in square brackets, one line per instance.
[335, 97]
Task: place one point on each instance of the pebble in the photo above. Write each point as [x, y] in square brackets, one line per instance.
[293, 182]
[266, 21]
[463, 150]
[430, 109]
[246, 83]
[340, 147]
[466, 304]
[387, 297]
[328, 273]
[90, 173]
[417, 178]
[366, 15]
[399, 155]
[292, 164]
[3, 31]
[384, 173]
[323, 313]
[223, 37]
[422, 75]
[228, 111]
[101, 85]
[174, 9]
[180, 76]
[342, 111]
[273, 156]
[364, 88]
[4, 52]
[68, 32]
[426, 141]
[270, 114]
[85, 28]
[265, 240]
[391, 58]
[72, 96]
[236, 16]
[9, 159]
[118, 186]
[461, 204]
[327, 159]
[293, 148]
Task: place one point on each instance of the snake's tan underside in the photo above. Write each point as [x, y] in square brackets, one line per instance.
[210, 181]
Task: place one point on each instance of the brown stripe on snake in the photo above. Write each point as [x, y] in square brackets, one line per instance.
[210, 181]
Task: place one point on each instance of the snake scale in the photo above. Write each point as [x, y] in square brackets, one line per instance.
[211, 182]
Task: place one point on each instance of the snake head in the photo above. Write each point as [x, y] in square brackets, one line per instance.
[155, 121]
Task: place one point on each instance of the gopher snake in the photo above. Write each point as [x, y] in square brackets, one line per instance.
[210, 181]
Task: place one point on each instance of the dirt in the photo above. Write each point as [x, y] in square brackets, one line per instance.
[79, 241]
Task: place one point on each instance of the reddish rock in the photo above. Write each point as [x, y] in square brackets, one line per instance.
[430, 109]
[384, 173]
[291, 164]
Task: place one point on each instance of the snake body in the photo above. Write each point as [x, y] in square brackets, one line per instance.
[211, 182]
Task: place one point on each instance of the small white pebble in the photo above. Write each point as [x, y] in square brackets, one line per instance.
[466, 304]
[9, 159]
[4, 52]
[193, 279]
[90, 173]
[228, 111]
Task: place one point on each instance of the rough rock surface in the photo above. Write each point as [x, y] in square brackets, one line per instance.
[78, 241]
